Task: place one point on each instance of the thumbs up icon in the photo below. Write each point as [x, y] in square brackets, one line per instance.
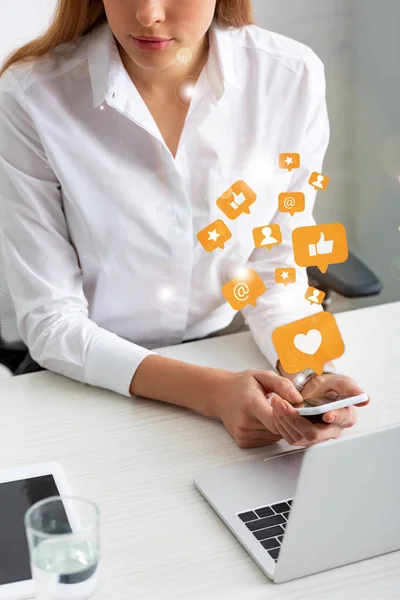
[322, 247]
[238, 199]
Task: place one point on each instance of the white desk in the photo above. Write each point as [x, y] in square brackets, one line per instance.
[136, 460]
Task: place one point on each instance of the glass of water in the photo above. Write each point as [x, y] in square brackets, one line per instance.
[64, 543]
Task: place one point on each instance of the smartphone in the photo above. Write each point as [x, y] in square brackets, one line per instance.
[314, 408]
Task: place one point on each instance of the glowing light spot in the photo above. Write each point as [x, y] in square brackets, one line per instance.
[241, 272]
[233, 269]
[102, 107]
[184, 55]
[165, 293]
[185, 89]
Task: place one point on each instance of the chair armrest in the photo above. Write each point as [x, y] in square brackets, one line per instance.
[4, 372]
[351, 279]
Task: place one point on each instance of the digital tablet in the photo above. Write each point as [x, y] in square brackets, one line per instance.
[20, 488]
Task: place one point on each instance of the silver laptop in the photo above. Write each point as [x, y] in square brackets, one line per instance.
[309, 510]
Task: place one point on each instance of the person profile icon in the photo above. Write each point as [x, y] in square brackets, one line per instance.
[319, 182]
[314, 297]
[268, 239]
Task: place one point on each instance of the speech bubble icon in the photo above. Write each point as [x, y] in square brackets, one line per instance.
[267, 236]
[214, 236]
[308, 343]
[319, 181]
[320, 245]
[244, 289]
[237, 200]
[289, 161]
[285, 275]
[292, 202]
[314, 296]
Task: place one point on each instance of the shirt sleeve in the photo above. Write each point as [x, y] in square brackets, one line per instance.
[41, 265]
[281, 304]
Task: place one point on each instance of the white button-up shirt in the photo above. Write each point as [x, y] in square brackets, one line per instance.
[99, 221]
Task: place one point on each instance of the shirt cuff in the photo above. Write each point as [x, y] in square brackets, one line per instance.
[112, 361]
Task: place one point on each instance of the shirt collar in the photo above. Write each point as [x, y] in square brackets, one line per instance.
[101, 52]
[221, 70]
[104, 61]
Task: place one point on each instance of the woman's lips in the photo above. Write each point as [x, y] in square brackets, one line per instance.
[152, 44]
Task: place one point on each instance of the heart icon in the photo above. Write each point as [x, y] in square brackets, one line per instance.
[308, 344]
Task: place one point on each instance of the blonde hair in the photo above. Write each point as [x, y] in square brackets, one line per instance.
[75, 18]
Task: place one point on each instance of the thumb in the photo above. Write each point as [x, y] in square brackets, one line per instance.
[341, 385]
[322, 238]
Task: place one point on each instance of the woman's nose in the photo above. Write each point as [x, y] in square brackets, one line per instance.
[150, 11]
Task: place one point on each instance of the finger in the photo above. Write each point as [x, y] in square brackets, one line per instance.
[278, 384]
[340, 384]
[259, 434]
[297, 437]
[364, 403]
[283, 432]
[261, 412]
[343, 417]
[288, 415]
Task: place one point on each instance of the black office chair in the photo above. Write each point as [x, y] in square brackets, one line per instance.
[12, 349]
[351, 279]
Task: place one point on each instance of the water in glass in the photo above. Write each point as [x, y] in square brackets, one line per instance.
[65, 569]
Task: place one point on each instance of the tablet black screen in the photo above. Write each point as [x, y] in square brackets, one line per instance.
[15, 499]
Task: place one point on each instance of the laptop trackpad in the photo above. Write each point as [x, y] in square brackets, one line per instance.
[251, 484]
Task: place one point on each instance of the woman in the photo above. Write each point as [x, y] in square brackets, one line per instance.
[114, 149]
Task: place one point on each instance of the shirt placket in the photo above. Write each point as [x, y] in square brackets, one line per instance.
[183, 236]
[174, 311]
[175, 314]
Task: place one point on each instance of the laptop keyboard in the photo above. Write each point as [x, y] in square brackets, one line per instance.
[268, 525]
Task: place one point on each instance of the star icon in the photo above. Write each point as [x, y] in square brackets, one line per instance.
[213, 235]
[285, 275]
[289, 160]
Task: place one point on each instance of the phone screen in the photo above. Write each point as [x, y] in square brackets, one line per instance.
[321, 400]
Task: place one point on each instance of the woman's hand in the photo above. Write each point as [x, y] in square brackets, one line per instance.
[298, 431]
[242, 406]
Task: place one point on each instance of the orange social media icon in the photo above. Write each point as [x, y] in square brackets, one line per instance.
[292, 202]
[214, 236]
[267, 236]
[314, 296]
[237, 200]
[244, 289]
[319, 181]
[320, 245]
[285, 275]
[289, 161]
[308, 343]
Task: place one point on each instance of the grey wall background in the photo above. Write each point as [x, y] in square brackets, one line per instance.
[325, 26]
[359, 43]
[21, 21]
[376, 203]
